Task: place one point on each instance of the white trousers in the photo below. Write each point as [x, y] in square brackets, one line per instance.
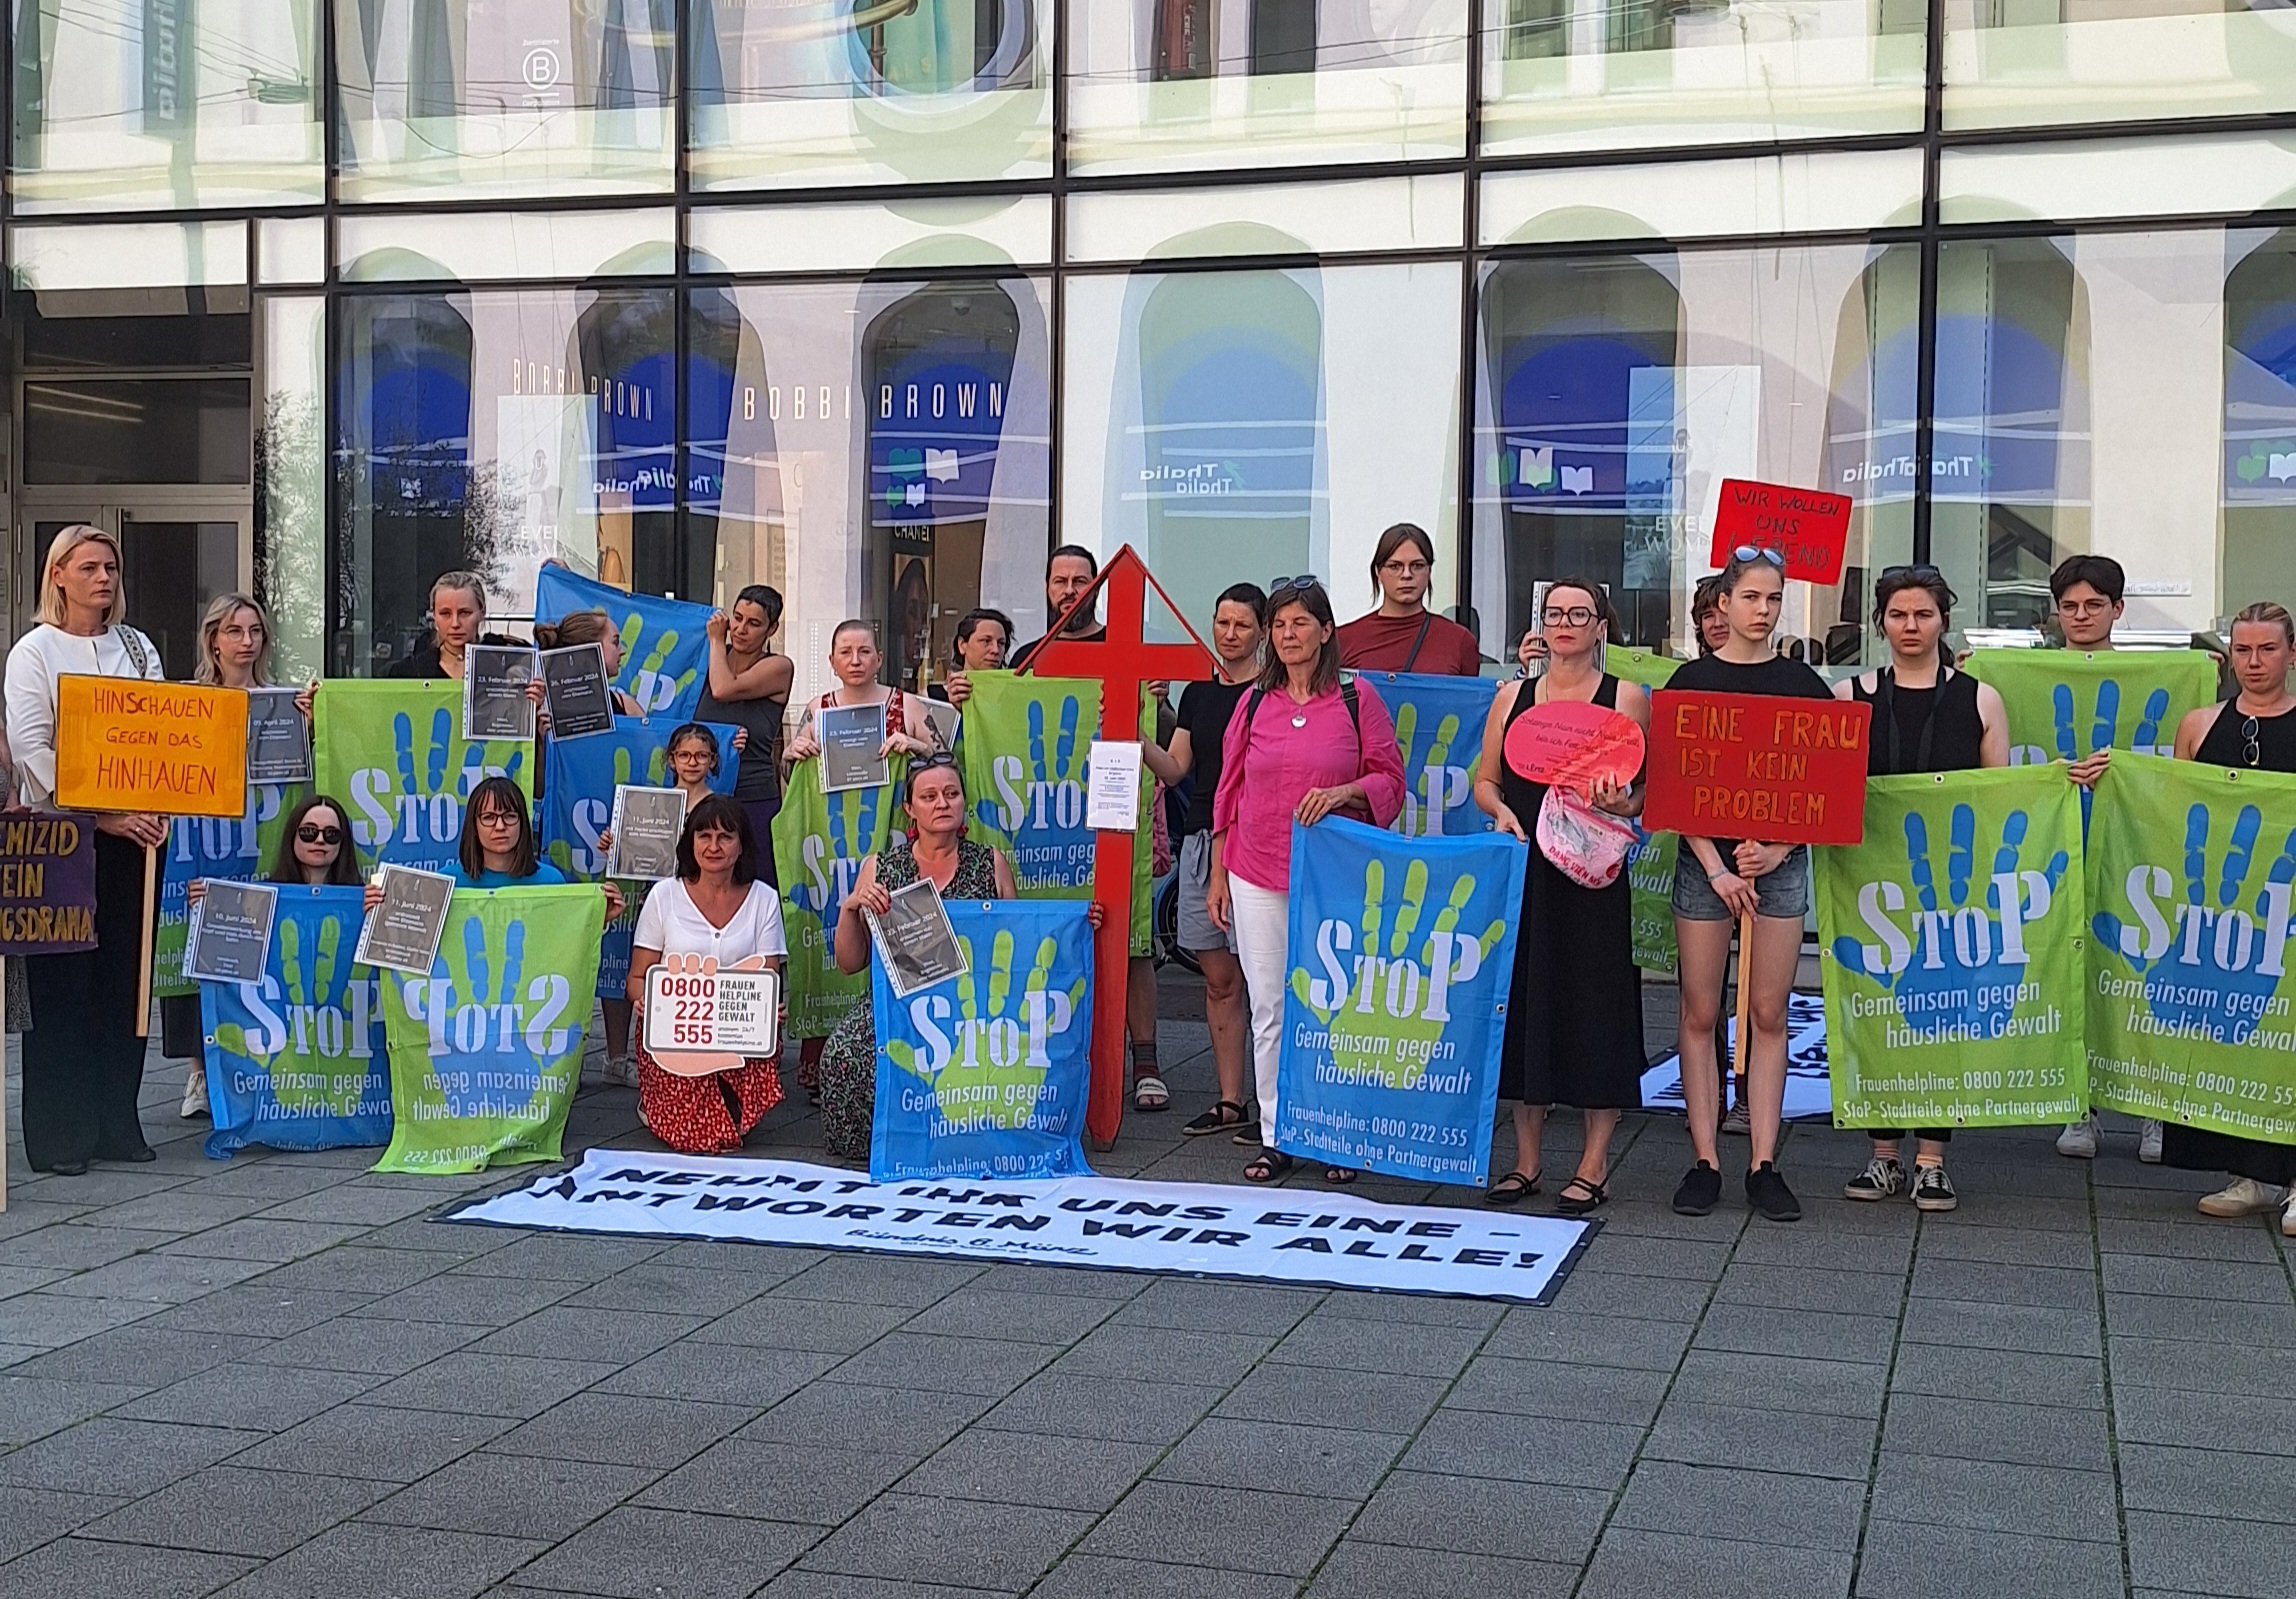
[1263, 933]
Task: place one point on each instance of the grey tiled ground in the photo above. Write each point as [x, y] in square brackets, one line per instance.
[275, 1376]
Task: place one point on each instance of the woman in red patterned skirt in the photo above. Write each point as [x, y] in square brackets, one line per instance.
[719, 907]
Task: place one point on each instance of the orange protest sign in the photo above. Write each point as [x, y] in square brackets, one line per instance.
[175, 749]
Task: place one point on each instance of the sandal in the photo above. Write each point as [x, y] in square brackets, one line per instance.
[1267, 1166]
[1512, 1189]
[1339, 1176]
[1149, 1093]
[1217, 1120]
[1580, 1196]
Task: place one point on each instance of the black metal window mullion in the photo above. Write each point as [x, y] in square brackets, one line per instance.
[1470, 299]
[1925, 354]
[1056, 335]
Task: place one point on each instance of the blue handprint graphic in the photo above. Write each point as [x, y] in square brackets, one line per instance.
[854, 824]
[1035, 807]
[2105, 724]
[1956, 959]
[2212, 961]
[425, 819]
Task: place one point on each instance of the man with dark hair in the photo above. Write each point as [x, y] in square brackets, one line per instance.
[1068, 572]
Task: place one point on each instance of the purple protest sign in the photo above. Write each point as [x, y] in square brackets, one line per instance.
[47, 883]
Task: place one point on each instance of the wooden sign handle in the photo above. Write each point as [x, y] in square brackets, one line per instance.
[1742, 1043]
[143, 969]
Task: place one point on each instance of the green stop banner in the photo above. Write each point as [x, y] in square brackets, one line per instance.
[1952, 953]
[2064, 704]
[1650, 863]
[394, 754]
[2189, 998]
[486, 1050]
[819, 843]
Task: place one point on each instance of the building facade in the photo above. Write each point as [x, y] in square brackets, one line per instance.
[876, 300]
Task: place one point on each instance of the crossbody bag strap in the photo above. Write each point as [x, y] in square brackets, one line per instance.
[1426, 621]
[132, 642]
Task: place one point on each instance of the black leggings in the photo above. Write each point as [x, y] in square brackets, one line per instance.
[1942, 1135]
[83, 1063]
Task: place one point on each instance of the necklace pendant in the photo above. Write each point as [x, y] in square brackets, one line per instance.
[1299, 719]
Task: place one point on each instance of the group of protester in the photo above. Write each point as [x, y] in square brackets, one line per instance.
[1287, 732]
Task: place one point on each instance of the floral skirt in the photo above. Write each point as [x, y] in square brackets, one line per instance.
[849, 1084]
[706, 1115]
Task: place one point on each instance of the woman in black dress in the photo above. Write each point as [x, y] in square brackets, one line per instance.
[1927, 717]
[1574, 1022]
[2255, 730]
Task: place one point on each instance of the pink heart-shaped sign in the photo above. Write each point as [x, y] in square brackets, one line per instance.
[1575, 743]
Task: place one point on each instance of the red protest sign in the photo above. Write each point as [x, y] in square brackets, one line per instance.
[1806, 526]
[1778, 771]
[1574, 742]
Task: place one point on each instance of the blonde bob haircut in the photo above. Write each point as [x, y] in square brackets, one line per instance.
[52, 592]
[220, 610]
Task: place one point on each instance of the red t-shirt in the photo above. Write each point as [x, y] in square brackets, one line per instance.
[1378, 643]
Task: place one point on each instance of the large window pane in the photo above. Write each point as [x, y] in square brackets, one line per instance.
[1164, 85]
[291, 485]
[467, 99]
[1252, 424]
[1599, 74]
[1615, 394]
[2024, 63]
[817, 92]
[492, 431]
[874, 449]
[167, 103]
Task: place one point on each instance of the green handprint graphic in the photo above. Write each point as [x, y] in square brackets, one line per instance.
[985, 1057]
[1438, 732]
[1385, 1010]
[665, 679]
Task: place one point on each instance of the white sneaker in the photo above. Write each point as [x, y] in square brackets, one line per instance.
[2288, 1218]
[195, 1092]
[2148, 1142]
[2079, 1140]
[2243, 1196]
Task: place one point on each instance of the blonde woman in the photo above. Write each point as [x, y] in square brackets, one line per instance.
[83, 1063]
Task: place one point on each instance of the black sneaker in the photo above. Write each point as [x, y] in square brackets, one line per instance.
[1882, 1178]
[1767, 1192]
[1932, 1189]
[1700, 1192]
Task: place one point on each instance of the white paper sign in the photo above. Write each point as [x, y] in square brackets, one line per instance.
[1112, 795]
[729, 1011]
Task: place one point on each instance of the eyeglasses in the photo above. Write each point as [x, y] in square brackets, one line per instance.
[498, 819]
[1408, 568]
[1754, 552]
[1576, 616]
[313, 833]
[1284, 585]
[1921, 573]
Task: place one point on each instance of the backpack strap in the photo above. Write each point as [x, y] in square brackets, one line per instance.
[132, 642]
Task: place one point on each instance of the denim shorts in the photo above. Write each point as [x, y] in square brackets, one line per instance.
[1197, 929]
[1784, 893]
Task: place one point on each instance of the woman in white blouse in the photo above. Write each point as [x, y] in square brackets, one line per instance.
[83, 1060]
[718, 906]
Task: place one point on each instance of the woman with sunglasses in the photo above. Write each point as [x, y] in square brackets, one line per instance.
[1303, 745]
[1927, 717]
[314, 850]
[1574, 1027]
[2253, 731]
[1402, 635]
[1719, 881]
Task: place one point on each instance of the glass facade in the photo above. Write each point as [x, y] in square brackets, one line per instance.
[877, 300]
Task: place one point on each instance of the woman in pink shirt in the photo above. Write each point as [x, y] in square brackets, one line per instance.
[1312, 746]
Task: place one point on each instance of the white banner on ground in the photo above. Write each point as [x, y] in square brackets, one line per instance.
[1282, 1235]
[1809, 1090]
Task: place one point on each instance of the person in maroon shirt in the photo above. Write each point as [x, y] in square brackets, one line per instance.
[1402, 635]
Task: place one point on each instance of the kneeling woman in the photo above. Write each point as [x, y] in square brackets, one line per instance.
[718, 905]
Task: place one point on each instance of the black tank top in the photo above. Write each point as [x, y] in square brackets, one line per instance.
[2228, 740]
[1922, 729]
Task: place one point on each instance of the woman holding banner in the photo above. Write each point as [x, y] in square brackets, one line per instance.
[748, 687]
[2253, 731]
[1574, 1025]
[1314, 744]
[1927, 717]
[718, 906]
[498, 848]
[584, 627]
[1721, 882]
[457, 621]
[84, 1056]
[234, 652]
[960, 869]
[978, 645]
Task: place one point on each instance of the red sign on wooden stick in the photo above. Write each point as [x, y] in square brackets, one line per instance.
[1755, 766]
[1574, 742]
[1806, 526]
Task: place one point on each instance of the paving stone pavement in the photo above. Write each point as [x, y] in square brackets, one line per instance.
[274, 1376]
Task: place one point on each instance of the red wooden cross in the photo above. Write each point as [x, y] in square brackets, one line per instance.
[1124, 662]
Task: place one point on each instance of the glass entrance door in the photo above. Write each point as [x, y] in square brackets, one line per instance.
[174, 558]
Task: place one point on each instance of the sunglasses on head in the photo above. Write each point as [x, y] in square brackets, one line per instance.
[1286, 585]
[313, 833]
[1755, 552]
[921, 764]
[1921, 573]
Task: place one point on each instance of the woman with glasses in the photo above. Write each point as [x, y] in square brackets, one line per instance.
[498, 850]
[2253, 731]
[1720, 881]
[1303, 745]
[1402, 635]
[1927, 717]
[1574, 1025]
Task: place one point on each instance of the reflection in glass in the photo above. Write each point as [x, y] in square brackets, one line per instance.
[1595, 74]
[868, 91]
[505, 97]
[871, 449]
[135, 430]
[2013, 63]
[1617, 393]
[166, 103]
[492, 432]
[2259, 418]
[1160, 85]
